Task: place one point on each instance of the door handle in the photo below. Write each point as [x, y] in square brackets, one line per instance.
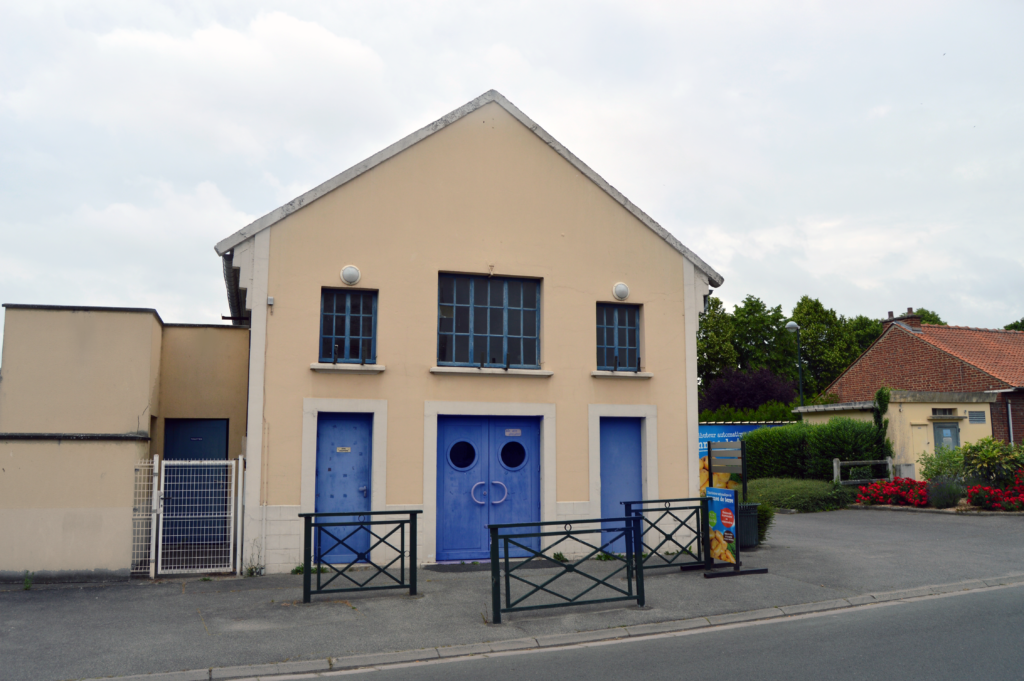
[495, 482]
[473, 489]
[363, 490]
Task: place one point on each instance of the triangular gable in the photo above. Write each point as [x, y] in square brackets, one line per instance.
[278, 214]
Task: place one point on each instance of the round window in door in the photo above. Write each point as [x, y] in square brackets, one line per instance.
[513, 455]
[462, 455]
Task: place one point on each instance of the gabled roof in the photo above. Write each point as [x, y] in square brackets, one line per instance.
[278, 214]
[995, 351]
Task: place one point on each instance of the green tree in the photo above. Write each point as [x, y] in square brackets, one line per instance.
[929, 317]
[1015, 326]
[827, 344]
[761, 340]
[715, 352]
[864, 331]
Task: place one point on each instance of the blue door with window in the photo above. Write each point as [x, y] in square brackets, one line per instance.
[343, 456]
[488, 471]
[621, 471]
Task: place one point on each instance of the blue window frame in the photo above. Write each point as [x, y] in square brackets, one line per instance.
[618, 337]
[348, 326]
[489, 320]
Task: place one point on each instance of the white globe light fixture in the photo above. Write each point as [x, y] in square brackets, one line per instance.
[620, 291]
[350, 275]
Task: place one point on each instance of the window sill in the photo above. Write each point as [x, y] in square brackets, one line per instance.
[329, 368]
[491, 371]
[622, 374]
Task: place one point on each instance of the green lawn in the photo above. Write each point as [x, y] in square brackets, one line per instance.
[806, 496]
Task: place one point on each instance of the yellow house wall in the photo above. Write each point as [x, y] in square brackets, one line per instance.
[66, 508]
[79, 371]
[911, 428]
[204, 375]
[484, 194]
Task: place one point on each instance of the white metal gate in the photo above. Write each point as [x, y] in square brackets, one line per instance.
[198, 518]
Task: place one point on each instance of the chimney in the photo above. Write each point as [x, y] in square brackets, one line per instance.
[910, 310]
[909, 319]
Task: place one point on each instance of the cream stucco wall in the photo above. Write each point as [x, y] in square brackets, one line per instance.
[203, 375]
[483, 195]
[70, 371]
[66, 507]
[911, 426]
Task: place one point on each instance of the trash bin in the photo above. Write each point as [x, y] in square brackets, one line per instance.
[747, 525]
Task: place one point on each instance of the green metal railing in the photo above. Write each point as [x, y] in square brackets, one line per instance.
[581, 577]
[674, 532]
[321, 538]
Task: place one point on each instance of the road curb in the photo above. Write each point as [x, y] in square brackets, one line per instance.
[942, 511]
[272, 670]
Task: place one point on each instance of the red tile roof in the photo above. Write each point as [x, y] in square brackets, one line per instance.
[994, 351]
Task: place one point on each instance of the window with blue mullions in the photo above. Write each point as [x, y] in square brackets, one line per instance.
[618, 337]
[348, 326]
[488, 320]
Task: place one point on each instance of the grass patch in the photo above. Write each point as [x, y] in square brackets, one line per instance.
[313, 569]
[806, 496]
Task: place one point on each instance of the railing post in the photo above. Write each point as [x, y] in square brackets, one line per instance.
[639, 557]
[836, 476]
[307, 550]
[705, 530]
[413, 539]
[888, 460]
[495, 579]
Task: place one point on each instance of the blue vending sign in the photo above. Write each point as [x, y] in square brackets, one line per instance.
[722, 524]
[723, 432]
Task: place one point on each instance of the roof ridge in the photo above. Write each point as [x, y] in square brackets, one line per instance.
[970, 328]
[281, 212]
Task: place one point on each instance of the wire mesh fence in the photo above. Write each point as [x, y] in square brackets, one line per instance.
[197, 521]
[142, 518]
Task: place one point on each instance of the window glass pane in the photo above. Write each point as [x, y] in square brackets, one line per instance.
[356, 302]
[600, 357]
[631, 359]
[497, 352]
[479, 291]
[632, 316]
[462, 348]
[448, 311]
[632, 337]
[497, 287]
[444, 349]
[339, 326]
[447, 325]
[327, 325]
[462, 319]
[515, 293]
[327, 348]
[600, 315]
[609, 336]
[353, 348]
[480, 349]
[622, 319]
[515, 355]
[529, 323]
[446, 290]
[367, 327]
[600, 336]
[480, 320]
[530, 294]
[462, 291]
[368, 349]
[529, 352]
[515, 322]
[497, 321]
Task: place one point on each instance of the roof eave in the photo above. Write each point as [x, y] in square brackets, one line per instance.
[714, 278]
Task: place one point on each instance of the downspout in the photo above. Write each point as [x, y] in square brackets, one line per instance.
[1009, 418]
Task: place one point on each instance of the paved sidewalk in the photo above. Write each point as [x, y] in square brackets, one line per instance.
[142, 627]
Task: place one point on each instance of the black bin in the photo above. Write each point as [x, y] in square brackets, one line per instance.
[746, 525]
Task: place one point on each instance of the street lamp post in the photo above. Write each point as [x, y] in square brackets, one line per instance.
[793, 327]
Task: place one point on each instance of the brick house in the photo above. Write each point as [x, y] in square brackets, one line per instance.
[942, 377]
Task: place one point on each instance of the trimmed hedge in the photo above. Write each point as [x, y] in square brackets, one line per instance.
[806, 451]
[806, 496]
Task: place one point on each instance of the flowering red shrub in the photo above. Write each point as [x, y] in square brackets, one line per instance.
[899, 492]
[995, 499]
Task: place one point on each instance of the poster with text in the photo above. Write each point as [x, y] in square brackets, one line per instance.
[722, 523]
[723, 432]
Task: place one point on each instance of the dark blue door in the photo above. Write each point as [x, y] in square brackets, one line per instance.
[621, 471]
[488, 472]
[343, 457]
[197, 505]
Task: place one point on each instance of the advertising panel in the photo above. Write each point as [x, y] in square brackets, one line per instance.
[722, 524]
[723, 432]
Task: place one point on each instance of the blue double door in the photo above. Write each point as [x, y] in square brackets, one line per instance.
[621, 473]
[488, 471]
[343, 464]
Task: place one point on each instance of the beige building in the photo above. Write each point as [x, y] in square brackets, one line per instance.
[85, 395]
[919, 421]
[436, 306]
[471, 323]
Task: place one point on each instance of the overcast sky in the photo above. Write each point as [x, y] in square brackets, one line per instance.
[869, 154]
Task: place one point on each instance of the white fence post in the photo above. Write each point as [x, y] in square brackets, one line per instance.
[155, 511]
[836, 476]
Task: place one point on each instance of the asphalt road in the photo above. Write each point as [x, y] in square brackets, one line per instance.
[975, 635]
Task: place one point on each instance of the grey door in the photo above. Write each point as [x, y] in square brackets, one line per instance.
[947, 435]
